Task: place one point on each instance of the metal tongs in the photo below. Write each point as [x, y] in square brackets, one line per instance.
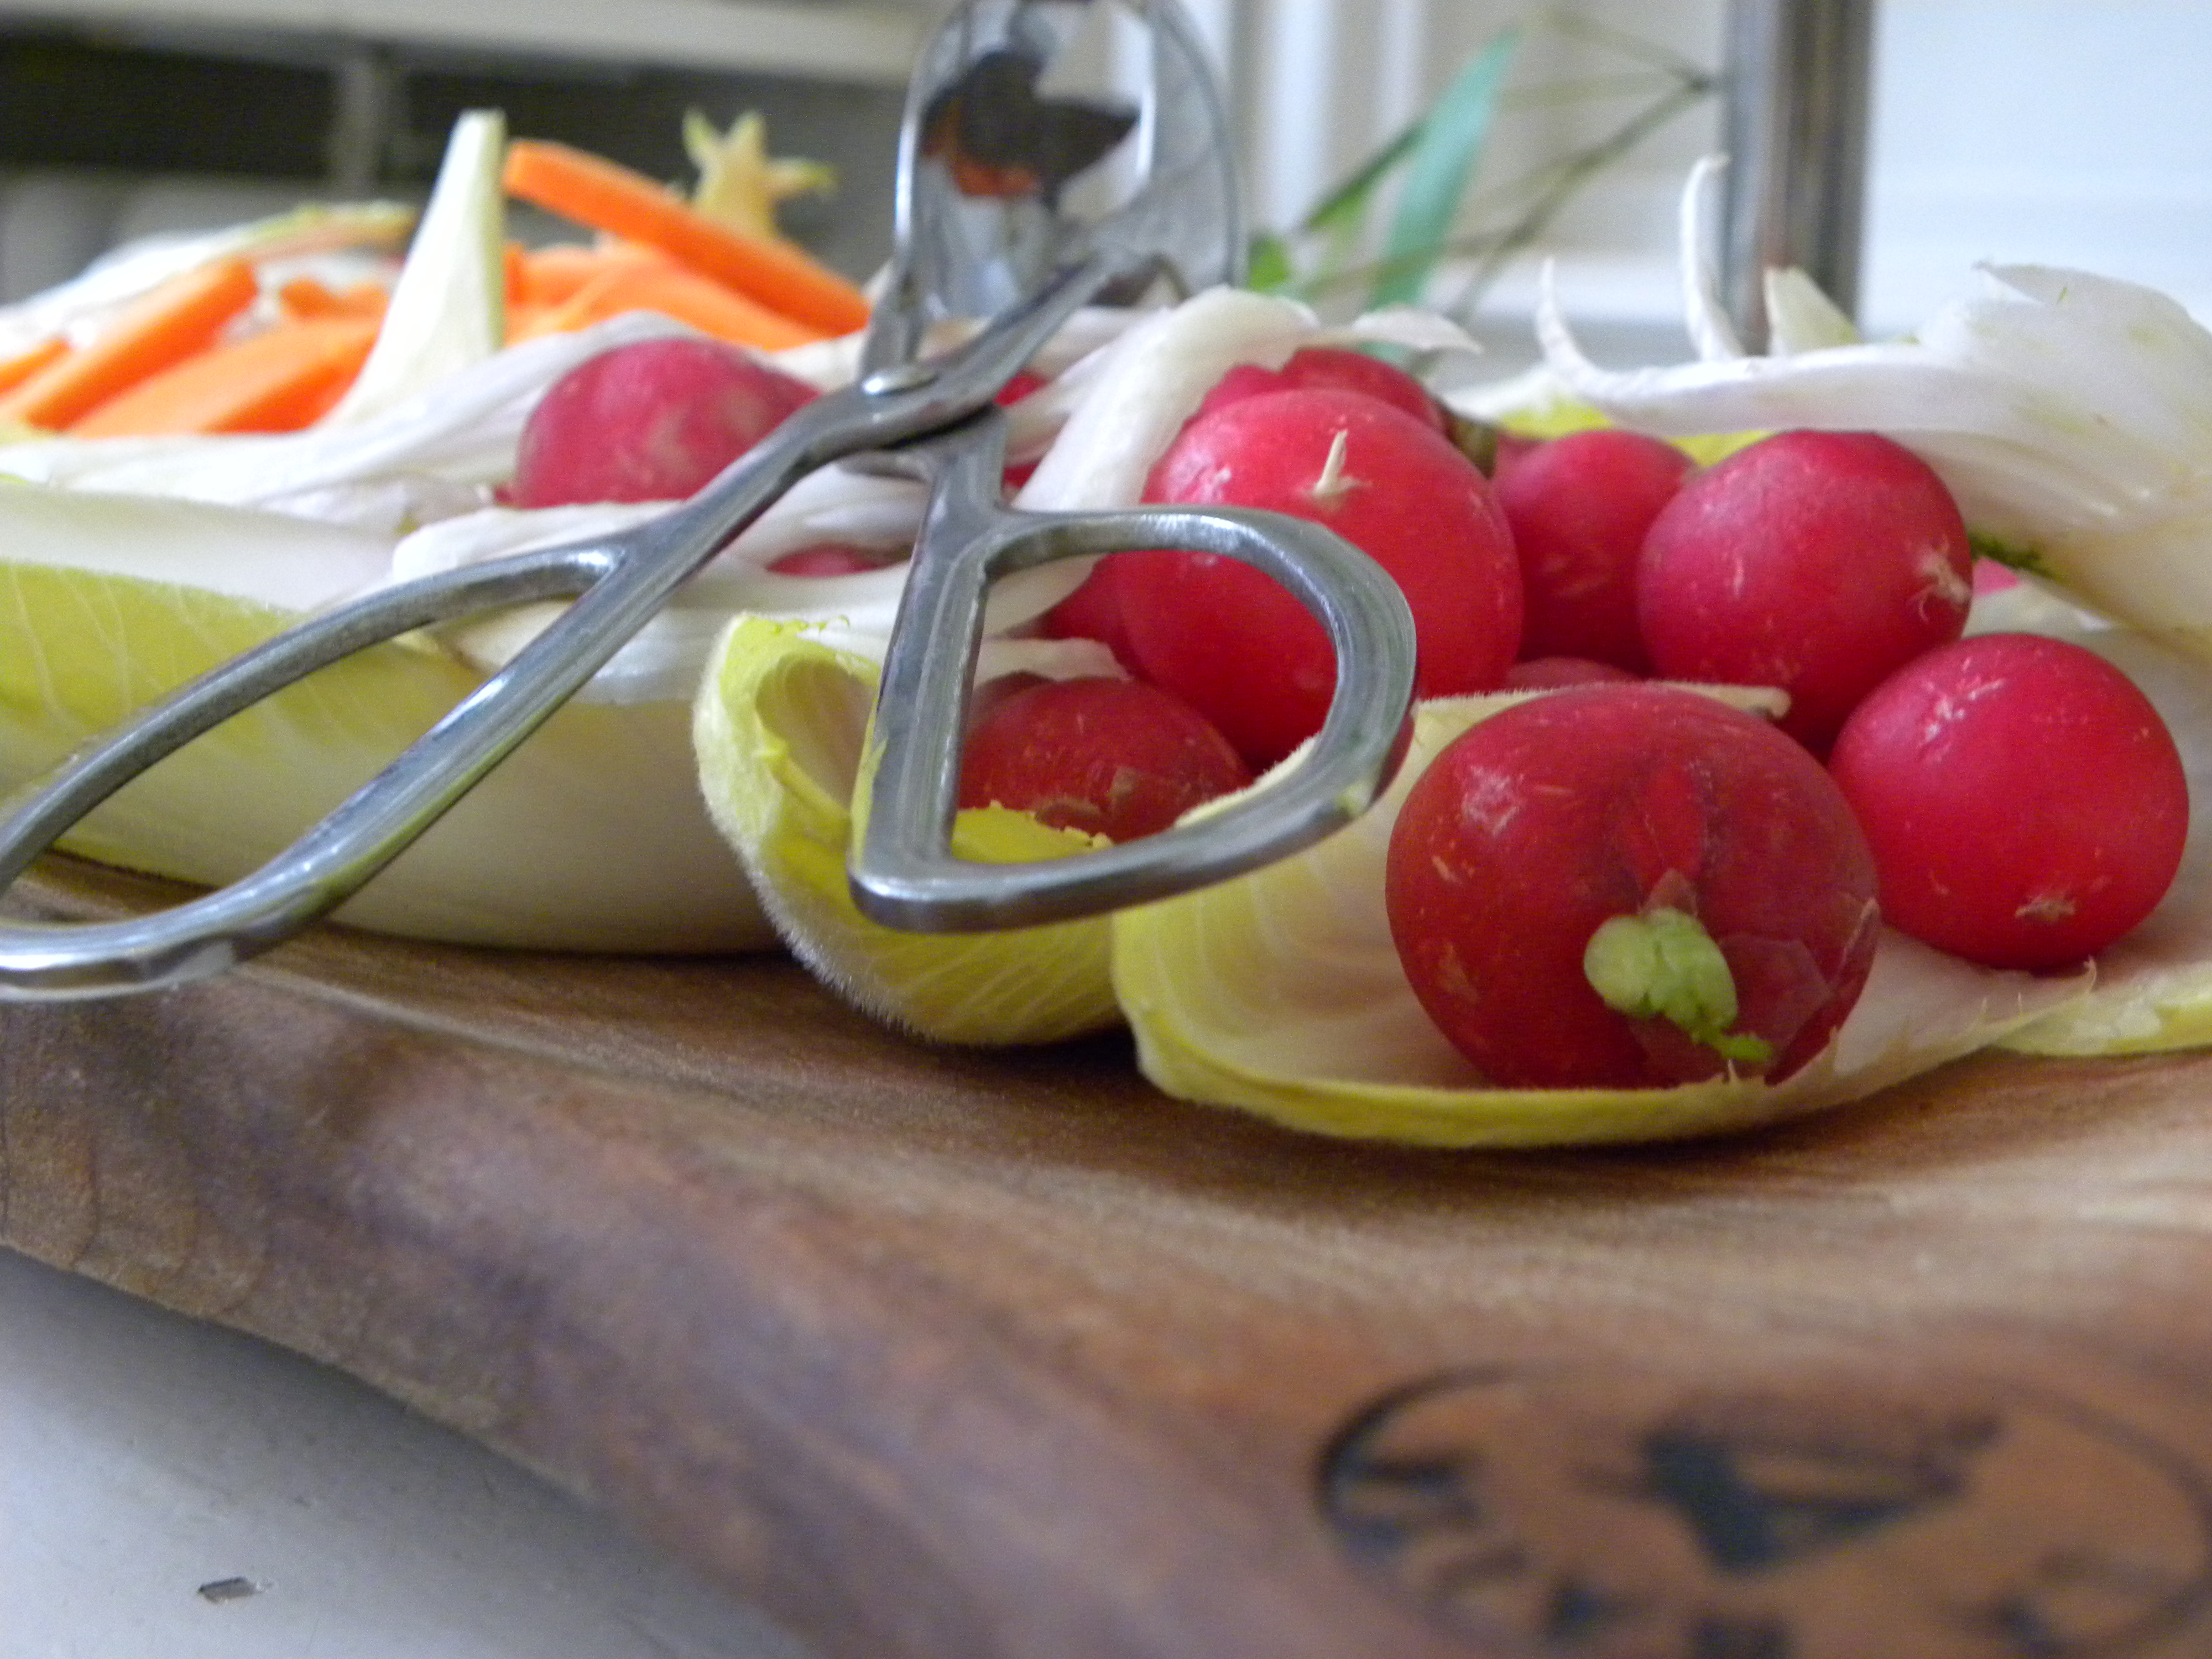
[994, 162]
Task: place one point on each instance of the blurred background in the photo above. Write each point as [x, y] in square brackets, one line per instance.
[2046, 130]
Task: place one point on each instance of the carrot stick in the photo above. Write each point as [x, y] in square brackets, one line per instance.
[683, 294]
[553, 276]
[608, 197]
[527, 322]
[176, 319]
[15, 370]
[276, 381]
[304, 297]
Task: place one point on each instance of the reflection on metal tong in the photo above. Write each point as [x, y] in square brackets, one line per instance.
[992, 160]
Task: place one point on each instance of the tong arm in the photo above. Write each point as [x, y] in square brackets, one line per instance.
[331, 861]
[618, 584]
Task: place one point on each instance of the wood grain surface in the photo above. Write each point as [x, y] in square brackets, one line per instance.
[947, 1355]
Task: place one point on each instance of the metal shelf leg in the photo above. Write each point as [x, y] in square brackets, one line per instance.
[1795, 128]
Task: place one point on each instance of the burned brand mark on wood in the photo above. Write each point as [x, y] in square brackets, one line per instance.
[1612, 1514]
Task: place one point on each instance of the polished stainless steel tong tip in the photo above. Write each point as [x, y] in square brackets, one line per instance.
[1008, 209]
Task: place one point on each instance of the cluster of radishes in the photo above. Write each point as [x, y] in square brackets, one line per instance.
[1621, 882]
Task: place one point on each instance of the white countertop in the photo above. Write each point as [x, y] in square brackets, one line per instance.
[171, 1488]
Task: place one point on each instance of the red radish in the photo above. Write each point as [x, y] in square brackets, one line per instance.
[1117, 758]
[1691, 860]
[1508, 446]
[1237, 645]
[1093, 612]
[648, 421]
[1579, 506]
[1991, 577]
[1334, 368]
[2025, 803]
[1818, 561]
[828, 559]
[1549, 673]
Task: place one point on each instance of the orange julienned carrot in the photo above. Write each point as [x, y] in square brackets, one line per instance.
[303, 297]
[553, 276]
[527, 322]
[610, 197]
[673, 291]
[181, 317]
[306, 296]
[276, 381]
[15, 370]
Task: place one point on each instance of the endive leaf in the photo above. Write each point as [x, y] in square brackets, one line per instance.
[780, 726]
[589, 837]
[1280, 993]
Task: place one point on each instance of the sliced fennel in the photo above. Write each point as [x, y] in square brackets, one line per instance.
[1801, 318]
[2069, 414]
[780, 723]
[590, 837]
[668, 656]
[1537, 403]
[448, 309]
[1281, 994]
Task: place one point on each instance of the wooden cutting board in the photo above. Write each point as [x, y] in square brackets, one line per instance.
[949, 1355]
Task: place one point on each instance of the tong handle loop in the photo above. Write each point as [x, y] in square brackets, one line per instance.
[902, 870]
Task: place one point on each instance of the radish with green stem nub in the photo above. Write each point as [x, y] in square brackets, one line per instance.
[2025, 803]
[1817, 561]
[1629, 885]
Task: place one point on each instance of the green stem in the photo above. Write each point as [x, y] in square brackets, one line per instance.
[1496, 248]
[1662, 964]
